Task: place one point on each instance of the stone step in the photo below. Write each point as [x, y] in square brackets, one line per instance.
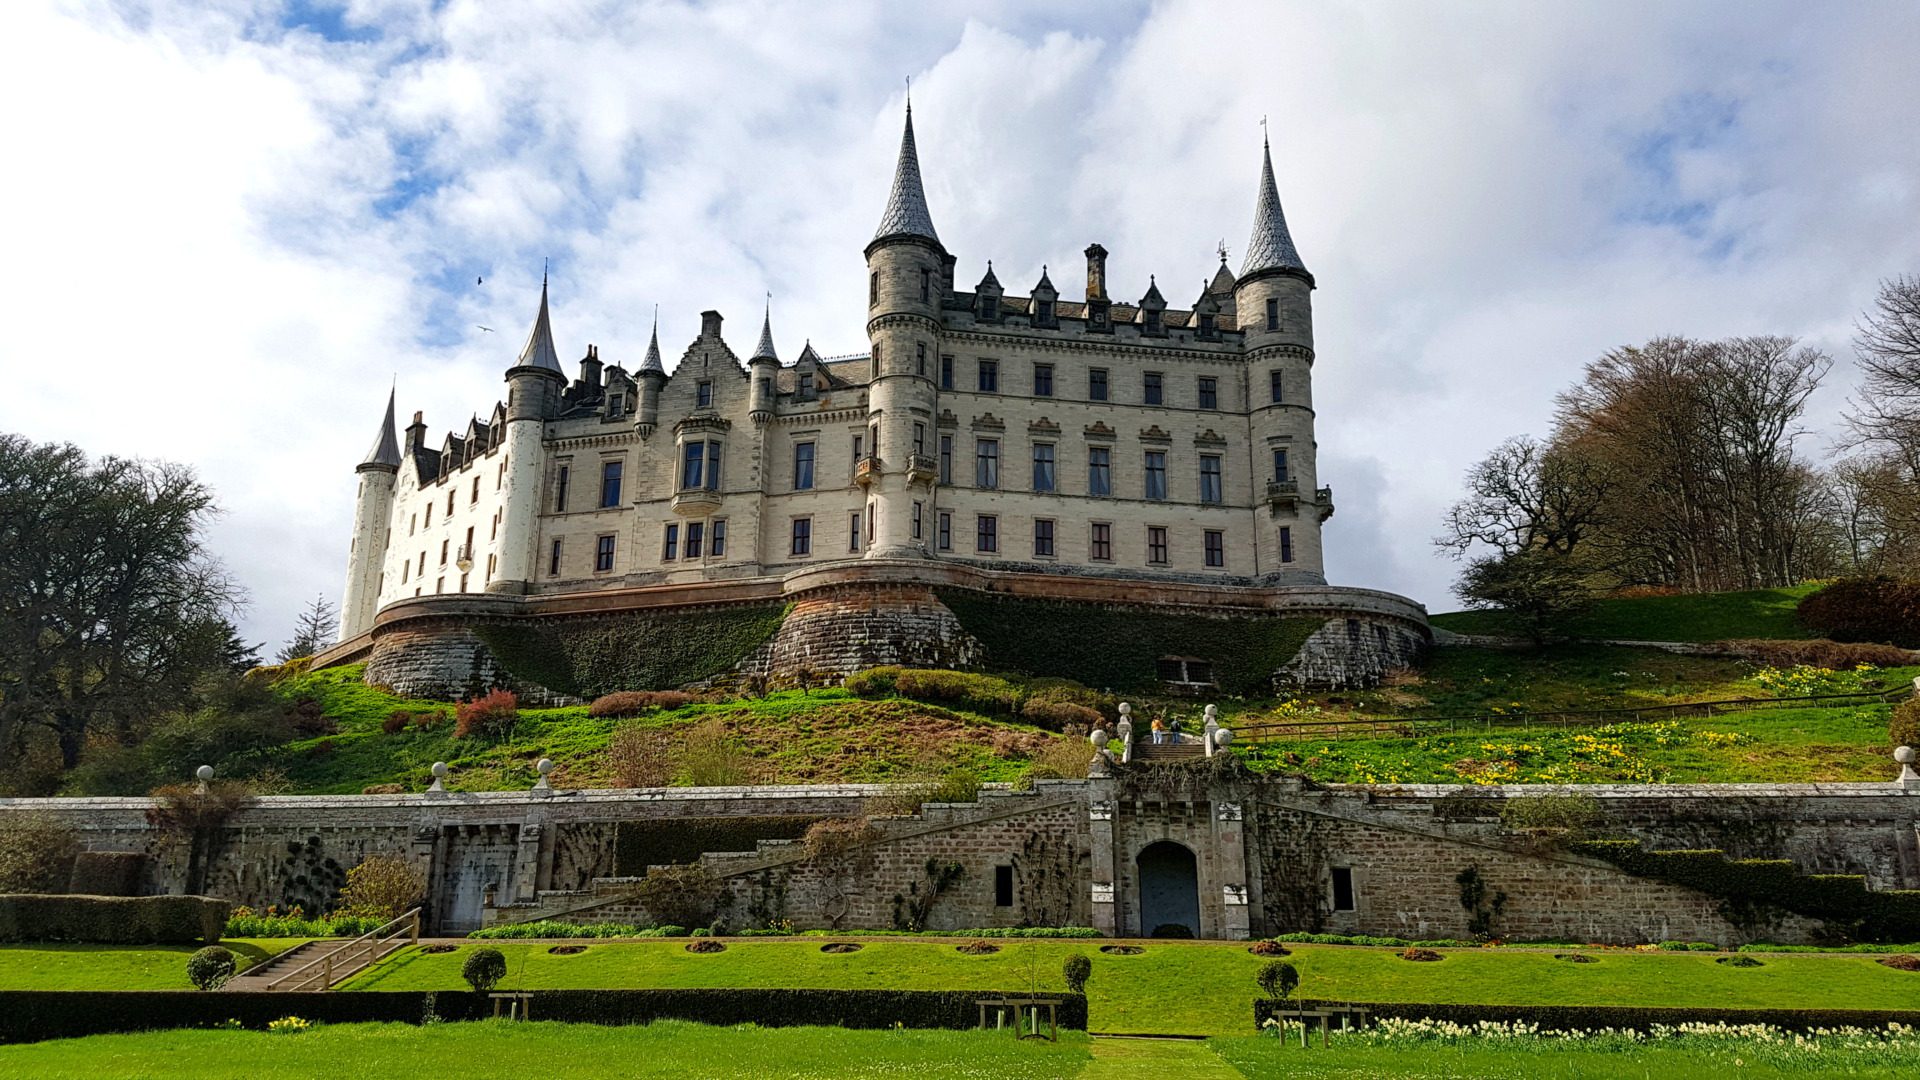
[1180, 751]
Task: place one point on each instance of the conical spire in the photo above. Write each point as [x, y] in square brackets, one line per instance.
[652, 362]
[386, 447]
[906, 213]
[765, 348]
[539, 352]
[1271, 248]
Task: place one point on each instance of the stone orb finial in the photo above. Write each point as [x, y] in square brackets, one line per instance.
[544, 766]
[1098, 739]
[1905, 755]
[1126, 710]
[439, 770]
[1212, 712]
[204, 773]
[1222, 737]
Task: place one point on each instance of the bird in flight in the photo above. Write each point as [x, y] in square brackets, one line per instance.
[488, 329]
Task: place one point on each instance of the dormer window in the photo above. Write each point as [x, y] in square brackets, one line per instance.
[806, 384]
[1153, 322]
[617, 405]
[703, 394]
[1043, 312]
[1206, 325]
[989, 308]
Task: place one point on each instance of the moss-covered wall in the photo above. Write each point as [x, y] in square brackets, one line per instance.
[1119, 648]
[651, 651]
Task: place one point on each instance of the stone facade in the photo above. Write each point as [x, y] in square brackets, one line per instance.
[1227, 856]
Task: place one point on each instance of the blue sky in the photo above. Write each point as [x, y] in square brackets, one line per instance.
[239, 221]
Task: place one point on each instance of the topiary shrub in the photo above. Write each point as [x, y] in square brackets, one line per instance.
[1903, 727]
[484, 969]
[1881, 609]
[1277, 979]
[210, 968]
[1075, 970]
[492, 716]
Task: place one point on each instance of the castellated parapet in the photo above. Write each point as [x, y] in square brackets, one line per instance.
[1119, 454]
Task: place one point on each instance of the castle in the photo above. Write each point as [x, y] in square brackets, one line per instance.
[1080, 450]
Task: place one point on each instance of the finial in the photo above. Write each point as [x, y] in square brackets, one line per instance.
[1223, 251]
[1263, 129]
[543, 272]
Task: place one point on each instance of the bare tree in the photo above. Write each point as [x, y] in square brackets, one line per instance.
[313, 631]
[1887, 340]
[1527, 494]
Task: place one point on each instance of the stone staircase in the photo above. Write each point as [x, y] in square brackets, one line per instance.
[307, 967]
[1151, 753]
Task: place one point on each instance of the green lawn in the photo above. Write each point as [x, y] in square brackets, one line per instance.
[1265, 1058]
[1761, 613]
[119, 967]
[559, 1051]
[1184, 987]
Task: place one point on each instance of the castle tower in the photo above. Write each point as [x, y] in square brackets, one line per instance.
[1274, 309]
[763, 366]
[906, 275]
[372, 518]
[651, 377]
[534, 384]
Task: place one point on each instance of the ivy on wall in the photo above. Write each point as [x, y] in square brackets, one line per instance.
[1118, 648]
[640, 651]
[1751, 890]
[640, 844]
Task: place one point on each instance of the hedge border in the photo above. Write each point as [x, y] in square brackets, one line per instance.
[1636, 1017]
[112, 920]
[33, 1015]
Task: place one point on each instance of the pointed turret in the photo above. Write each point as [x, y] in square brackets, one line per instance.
[539, 352]
[1271, 248]
[764, 351]
[386, 446]
[906, 213]
[652, 362]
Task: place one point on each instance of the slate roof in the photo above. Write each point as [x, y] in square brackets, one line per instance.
[539, 351]
[386, 447]
[1271, 247]
[906, 213]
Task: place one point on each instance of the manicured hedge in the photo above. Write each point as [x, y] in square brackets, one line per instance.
[640, 844]
[29, 1015]
[1749, 888]
[1119, 648]
[112, 920]
[1638, 1018]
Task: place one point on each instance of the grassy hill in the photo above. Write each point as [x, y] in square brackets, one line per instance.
[1761, 613]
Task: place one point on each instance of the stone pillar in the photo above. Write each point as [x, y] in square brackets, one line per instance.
[1230, 849]
[1103, 866]
[526, 864]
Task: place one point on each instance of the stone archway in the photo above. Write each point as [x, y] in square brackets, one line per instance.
[1169, 887]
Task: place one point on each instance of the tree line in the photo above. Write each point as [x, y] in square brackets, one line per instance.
[1680, 465]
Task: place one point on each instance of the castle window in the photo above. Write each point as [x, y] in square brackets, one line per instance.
[1273, 314]
[989, 308]
[1206, 325]
[946, 373]
[1100, 542]
[873, 287]
[1209, 392]
[703, 394]
[609, 484]
[429, 515]
[946, 459]
[670, 546]
[713, 466]
[500, 475]
[404, 567]
[766, 390]
[945, 528]
[1286, 543]
[616, 406]
[463, 583]
[493, 531]
[986, 533]
[1043, 312]
[1280, 471]
[875, 362]
[553, 560]
[1210, 478]
[449, 504]
[853, 531]
[1156, 478]
[492, 562]
[443, 552]
[919, 438]
[475, 497]
[603, 554]
[1153, 321]
[1043, 466]
[717, 538]
[1343, 888]
[1216, 548]
[920, 359]
[439, 585]
[1157, 545]
[917, 510]
[806, 384]
[1042, 538]
[1043, 380]
[802, 543]
[693, 466]
[423, 564]
[926, 285]
[803, 466]
[1097, 384]
[1099, 470]
[696, 533]
[560, 490]
[1275, 385]
[1003, 886]
[989, 376]
[986, 463]
[1152, 388]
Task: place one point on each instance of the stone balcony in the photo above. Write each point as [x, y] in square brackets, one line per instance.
[1287, 495]
[695, 502]
[866, 470]
[922, 468]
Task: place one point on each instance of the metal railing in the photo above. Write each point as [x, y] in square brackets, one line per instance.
[1411, 726]
[322, 972]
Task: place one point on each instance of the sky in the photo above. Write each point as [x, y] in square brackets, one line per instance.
[230, 225]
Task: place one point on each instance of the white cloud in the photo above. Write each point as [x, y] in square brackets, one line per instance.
[226, 235]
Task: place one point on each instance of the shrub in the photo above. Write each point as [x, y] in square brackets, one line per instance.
[682, 895]
[246, 923]
[1551, 820]
[1065, 758]
[1620, 1017]
[1817, 653]
[1878, 609]
[833, 837]
[1903, 727]
[710, 757]
[548, 928]
[396, 721]
[1268, 948]
[1901, 962]
[210, 968]
[484, 969]
[625, 703]
[425, 720]
[382, 887]
[1060, 715]
[112, 920]
[1421, 956]
[491, 716]
[873, 682]
[640, 757]
[1075, 970]
[36, 854]
[1277, 979]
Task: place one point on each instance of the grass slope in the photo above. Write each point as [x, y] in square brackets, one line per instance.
[1193, 988]
[1760, 613]
[1261, 1058]
[119, 967]
[559, 1051]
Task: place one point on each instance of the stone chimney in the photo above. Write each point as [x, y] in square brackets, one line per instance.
[710, 324]
[590, 366]
[1096, 272]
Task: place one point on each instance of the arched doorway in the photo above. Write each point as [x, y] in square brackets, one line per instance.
[1169, 888]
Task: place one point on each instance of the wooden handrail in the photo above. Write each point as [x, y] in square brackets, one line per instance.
[372, 939]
